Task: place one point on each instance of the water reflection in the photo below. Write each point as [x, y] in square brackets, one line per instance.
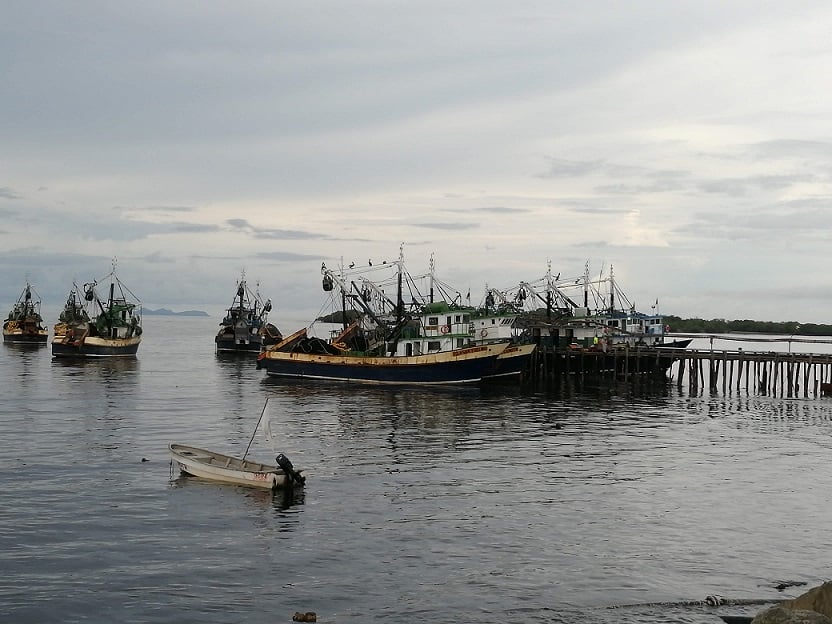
[236, 365]
[280, 500]
[24, 346]
[104, 367]
[26, 358]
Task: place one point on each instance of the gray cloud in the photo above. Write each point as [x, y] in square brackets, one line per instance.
[285, 256]
[738, 187]
[155, 209]
[501, 210]
[790, 148]
[562, 168]
[158, 258]
[448, 226]
[273, 233]
[7, 193]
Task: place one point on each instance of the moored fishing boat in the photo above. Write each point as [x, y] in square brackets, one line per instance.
[513, 361]
[384, 342]
[90, 326]
[581, 312]
[497, 320]
[24, 323]
[245, 327]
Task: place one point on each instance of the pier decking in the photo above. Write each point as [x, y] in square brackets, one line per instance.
[760, 371]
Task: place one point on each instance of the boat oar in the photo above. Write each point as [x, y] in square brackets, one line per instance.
[289, 469]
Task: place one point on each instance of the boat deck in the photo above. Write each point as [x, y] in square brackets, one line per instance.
[224, 461]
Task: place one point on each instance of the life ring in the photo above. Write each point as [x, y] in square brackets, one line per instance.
[483, 332]
[445, 329]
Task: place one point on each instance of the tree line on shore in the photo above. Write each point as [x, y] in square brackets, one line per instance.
[723, 326]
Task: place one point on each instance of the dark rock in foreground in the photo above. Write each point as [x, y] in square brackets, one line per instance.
[813, 607]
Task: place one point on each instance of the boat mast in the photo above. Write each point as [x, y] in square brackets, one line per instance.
[241, 290]
[399, 298]
[112, 289]
[343, 297]
[394, 337]
[612, 291]
[430, 277]
[549, 286]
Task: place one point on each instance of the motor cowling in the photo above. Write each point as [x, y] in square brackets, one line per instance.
[286, 465]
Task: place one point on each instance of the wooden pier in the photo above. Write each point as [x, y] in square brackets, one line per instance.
[771, 373]
[725, 371]
[550, 364]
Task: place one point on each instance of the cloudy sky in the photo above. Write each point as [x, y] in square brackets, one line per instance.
[686, 143]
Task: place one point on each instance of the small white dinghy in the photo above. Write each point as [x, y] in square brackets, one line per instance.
[227, 469]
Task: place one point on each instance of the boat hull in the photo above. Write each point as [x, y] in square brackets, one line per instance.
[512, 362]
[467, 365]
[94, 346]
[675, 344]
[227, 469]
[21, 337]
[230, 344]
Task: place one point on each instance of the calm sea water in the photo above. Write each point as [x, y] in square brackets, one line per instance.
[434, 506]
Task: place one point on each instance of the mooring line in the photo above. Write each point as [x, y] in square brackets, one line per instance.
[710, 601]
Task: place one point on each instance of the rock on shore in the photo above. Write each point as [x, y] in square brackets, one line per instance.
[812, 607]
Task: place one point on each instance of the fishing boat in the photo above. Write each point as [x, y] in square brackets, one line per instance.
[91, 326]
[385, 341]
[584, 312]
[245, 327]
[498, 320]
[234, 470]
[24, 323]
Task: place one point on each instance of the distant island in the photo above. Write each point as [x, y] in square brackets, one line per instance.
[166, 312]
[723, 326]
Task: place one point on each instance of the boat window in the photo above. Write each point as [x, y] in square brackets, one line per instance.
[433, 320]
[458, 318]
[434, 345]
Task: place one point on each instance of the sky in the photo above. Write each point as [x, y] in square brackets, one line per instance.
[687, 144]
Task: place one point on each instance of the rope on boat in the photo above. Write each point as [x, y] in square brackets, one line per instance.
[255, 429]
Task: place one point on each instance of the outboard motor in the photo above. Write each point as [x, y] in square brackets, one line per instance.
[289, 469]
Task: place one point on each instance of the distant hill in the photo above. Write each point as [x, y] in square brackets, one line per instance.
[166, 312]
[723, 326]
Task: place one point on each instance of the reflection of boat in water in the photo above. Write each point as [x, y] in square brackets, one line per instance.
[24, 323]
[89, 326]
[245, 328]
[383, 341]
